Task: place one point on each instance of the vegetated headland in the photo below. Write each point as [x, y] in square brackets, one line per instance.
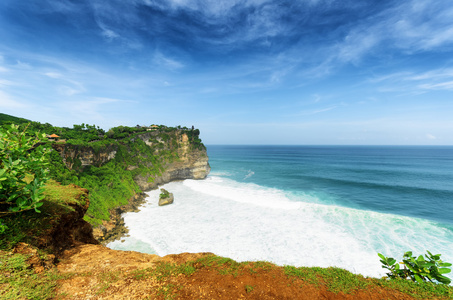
[95, 175]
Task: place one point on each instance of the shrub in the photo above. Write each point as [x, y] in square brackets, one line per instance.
[23, 173]
[164, 194]
[417, 269]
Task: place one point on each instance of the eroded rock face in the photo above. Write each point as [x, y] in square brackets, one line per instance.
[66, 226]
[193, 163]
[76, 157]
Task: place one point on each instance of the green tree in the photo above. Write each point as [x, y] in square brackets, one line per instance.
[23, 170]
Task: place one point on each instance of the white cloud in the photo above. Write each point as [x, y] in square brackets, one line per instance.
[317, 111]
[109, 34]
[105, 100]
[438, 86]
[8, 103]
[22, 65]
[436, 79]
[167, 62]
[5, 82]
[53, 75]
[316, 98]
[430, 136]
[357, 44]
[68, 91]
[63, 6]
[433, 74]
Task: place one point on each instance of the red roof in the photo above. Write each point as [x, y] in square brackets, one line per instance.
[53, 135]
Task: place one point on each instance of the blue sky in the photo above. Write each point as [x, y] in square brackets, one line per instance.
[242, 71]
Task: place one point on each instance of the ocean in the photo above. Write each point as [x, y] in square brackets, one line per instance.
[306, 206]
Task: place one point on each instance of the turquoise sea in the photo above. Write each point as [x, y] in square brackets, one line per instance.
[306, 206]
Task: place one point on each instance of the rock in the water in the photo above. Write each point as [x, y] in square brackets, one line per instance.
[165, 197]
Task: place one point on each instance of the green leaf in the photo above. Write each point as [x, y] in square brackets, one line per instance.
[418, 278]
[444, 270]
[382, 256]
[443, 279]
[445, 264]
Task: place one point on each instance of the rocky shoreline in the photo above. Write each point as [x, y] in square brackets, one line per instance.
[115, 228]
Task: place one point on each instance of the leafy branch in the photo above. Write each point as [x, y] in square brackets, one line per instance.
[23, 170]
[429, 268]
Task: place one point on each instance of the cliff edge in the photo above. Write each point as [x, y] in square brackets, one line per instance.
[127, 161]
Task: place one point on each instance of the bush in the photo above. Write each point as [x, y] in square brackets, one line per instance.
[417, 269]
[23, 173]
[164, 194]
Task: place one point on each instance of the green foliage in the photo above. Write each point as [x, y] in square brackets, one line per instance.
[418, 268]
[7, 119]
[3, 227]
[249, 288]
[110, 183]
[23, 173]
[164, 194]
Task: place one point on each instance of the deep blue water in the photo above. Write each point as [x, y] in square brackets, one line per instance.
[415, 181]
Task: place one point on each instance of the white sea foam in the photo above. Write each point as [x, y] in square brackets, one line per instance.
[249, 174]
[245, 221]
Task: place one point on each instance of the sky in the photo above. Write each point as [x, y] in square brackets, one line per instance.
[308, 72]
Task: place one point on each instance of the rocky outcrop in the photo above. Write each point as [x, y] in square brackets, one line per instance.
[165, 197]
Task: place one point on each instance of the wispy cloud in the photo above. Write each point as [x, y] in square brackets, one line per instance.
[167, 62]
[6, 102]
[316, 111]
[5, 82]
[53, 75]
[430, 136]
[438, 86]
[435, 79]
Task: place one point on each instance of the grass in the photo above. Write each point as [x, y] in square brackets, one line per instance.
[19, 281]
[224, 265]
[64, 194]
[425, 290]
[339, 280]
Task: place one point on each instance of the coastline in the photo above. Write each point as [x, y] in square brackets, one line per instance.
[115, 228]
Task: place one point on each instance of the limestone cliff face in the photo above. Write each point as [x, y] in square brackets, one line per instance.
[176, 154]
[77, 157]
[192, 162]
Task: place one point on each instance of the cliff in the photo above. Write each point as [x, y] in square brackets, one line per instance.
[118, 168]
[191, 163]
[169, 152]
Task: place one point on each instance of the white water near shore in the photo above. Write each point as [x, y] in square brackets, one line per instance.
[245, 221]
